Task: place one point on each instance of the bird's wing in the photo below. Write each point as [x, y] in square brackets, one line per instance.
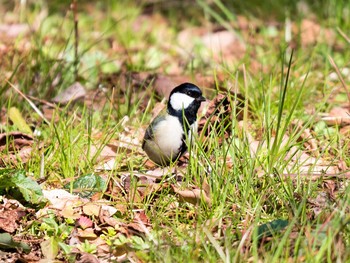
[149, 134]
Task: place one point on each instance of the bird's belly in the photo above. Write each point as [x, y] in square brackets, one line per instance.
[167, 140]
[168, 137]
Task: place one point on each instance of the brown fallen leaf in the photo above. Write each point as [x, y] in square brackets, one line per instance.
[331, 186]
[17, 145]
[141, 215]
[104, 252]
[309, 32]
[338, 116]
[60, 198]
[318, 204]
[73, 93]
[158, 107]
[10, 216]
[302, 162]
[64, 203]
[16, 141]
[84, 222]
[163, 85]
[310, 143]
[70, 211]
[224, 43]
[220, 40]
[299, 161]
[219, 43]
[87, 258]
[106, 218]
[104, 155]
[312, 32]
[131, 189]
[150, 165]
[87, 233]
[140, 225]
[135, 228]
[345, 131]
[91, 209]
[159, 173]
[3, 118]
[193, 196]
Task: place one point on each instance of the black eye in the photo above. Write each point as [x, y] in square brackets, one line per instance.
[189, 93]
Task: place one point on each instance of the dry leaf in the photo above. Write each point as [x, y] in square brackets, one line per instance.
[141, 216]
[338, 116]
[88, 233]
[127, 142]
[159, 173]
[60, 198]
[84, 222]
[163, 85]
[158, 107]
[110, 209]
[193, 196]
[105, 218]
[136, 228]
[311, 32]
[310, 143]
[72, 93]
[91, 209]
[10, 217]
[19, 146]
[87, 258]
[225, 44]
[70, 212]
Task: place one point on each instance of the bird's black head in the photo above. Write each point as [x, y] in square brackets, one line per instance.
[185, 98]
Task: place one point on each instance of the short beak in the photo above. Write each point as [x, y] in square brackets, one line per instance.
[201, 98]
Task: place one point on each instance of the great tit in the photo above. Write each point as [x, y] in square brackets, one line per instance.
[165, 138]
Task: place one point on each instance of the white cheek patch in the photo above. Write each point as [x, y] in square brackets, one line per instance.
[180, 101]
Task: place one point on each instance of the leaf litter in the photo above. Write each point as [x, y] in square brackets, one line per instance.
[82, 210]
[93, 219]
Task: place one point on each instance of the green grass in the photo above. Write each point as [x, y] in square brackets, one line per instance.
[245, 164]
[239, 194]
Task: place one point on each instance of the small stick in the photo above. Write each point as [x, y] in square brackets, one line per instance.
[339, 76]
[29, 101]
[343, 35]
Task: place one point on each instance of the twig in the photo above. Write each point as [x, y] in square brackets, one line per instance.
[29, 101]
[343, 35]
[317, 176]
[334, 65]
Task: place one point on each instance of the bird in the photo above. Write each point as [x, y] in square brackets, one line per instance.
[165, 138]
